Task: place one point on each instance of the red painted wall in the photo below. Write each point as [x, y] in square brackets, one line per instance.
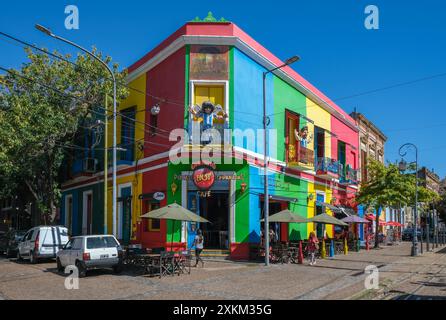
[165, 81]
[350, 137]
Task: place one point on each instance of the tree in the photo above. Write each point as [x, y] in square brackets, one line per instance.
[385, 187]
[42, 106]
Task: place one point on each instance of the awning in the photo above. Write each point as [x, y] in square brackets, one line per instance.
[348, 211]
[329, 206]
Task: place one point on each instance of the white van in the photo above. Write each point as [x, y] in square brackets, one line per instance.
[42, 242]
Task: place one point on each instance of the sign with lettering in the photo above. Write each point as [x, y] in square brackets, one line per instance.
[203, 177]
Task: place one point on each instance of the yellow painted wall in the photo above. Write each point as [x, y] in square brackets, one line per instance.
[321, 119]
[313, 188]
[136, 181]
[135, 98]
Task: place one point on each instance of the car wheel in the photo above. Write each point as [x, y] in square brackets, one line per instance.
[32, 258]
[59, 265]
[19, 256]
[81, 269]
[117, 268]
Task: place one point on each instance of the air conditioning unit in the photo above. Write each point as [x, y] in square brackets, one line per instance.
[89, 165]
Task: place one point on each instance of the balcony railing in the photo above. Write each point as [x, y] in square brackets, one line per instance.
[328, 166]
[300, 156]
[349, 176]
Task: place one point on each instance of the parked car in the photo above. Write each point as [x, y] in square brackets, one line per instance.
[91, 252]
[9, 242]
[407, 234]
[42, 242]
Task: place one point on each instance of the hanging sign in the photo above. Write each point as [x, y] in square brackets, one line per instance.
[203, 177]
[159, 196]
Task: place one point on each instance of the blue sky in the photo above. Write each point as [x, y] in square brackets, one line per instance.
[339, 55]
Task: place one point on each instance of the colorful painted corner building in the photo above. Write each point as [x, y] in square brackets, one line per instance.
[313, 147]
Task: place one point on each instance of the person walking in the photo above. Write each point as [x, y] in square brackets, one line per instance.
[313, 245]
[199, 244]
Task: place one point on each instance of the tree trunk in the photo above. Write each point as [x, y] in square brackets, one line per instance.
[377, 228]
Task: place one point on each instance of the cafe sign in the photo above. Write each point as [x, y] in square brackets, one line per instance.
[203, 177]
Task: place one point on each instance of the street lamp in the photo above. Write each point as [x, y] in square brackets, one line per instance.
[49, 33]
[403, 166]
[265, 155]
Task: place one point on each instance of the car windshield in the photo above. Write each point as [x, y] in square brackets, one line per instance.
[101, 242]
[19, 235]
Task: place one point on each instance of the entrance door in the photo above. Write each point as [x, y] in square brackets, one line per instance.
[126, 214]
[215, 208]
[320, 198]
[193, 203]
[87, 215]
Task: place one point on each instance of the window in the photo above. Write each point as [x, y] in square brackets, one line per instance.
[152, 224]
[30, 235]
[292, 124]
[69, 245]
[101, 242]
[77, 244]
[128, 134]
[212, 93]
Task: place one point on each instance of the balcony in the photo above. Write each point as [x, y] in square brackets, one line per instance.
[300, 157]
[328, 168]
[349, 176]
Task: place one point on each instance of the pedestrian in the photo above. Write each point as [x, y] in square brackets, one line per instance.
[199, 244]
[313, 245]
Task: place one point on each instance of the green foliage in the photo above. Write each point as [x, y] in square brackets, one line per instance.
[386, 187]
[41, 108]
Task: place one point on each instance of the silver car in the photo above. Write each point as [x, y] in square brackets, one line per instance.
[91, 252]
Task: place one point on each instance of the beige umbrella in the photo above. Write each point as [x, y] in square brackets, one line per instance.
[327, 219]
[174, 212]
[286, 216]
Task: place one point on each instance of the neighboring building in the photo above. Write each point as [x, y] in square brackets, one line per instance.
[429, 179]
[218, 62]
[371, 142]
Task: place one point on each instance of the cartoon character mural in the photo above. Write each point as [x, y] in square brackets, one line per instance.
[210, 117]
[303, 136]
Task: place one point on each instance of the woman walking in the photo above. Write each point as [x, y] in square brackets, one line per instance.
[313, 245]
[198, 243]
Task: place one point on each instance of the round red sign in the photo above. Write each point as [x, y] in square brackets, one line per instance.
[203, 177]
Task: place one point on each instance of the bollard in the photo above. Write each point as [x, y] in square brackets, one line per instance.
[323, 251]
[332, 251]
[345, 246]
[300, 257]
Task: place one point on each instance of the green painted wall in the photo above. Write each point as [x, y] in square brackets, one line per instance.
[285, 97]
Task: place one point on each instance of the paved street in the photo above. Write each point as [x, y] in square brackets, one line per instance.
[401, 277]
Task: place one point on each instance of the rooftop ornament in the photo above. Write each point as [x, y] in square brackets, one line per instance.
[209, 18]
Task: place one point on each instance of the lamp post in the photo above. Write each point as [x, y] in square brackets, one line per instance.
[265, 155]
[403, 167]
[114, 200]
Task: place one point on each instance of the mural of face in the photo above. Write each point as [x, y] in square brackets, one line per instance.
[304, 132]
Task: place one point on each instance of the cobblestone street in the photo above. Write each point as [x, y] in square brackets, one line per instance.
[401, 277]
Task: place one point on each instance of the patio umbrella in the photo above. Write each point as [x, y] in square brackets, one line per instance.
[286, 216]
[327, 219]
[174, 212]
[354, 219]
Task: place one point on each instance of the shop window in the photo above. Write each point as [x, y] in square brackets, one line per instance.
[152, 224]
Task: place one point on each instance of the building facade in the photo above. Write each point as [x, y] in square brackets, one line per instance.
[313, 146]
[371, 143]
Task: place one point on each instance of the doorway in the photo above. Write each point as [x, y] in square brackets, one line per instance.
[87, 214]
[274, 207]
[320, 198]
[125, 214]
[214, 208]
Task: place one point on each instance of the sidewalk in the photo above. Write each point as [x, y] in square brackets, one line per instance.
[341, 277]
